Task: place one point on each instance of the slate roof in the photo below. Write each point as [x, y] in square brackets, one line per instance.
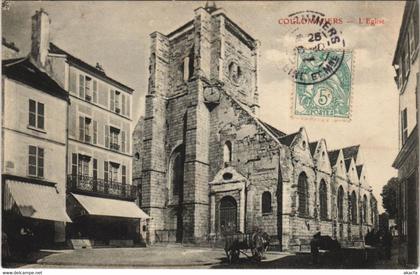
[347, 162]
[333, 156]
[312, 147]
[55, 49]
[351, 151]
[359, 170]
[276, 132]
[24, 71]
[287, 140]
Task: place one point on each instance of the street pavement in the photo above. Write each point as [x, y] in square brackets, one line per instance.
[183, 257]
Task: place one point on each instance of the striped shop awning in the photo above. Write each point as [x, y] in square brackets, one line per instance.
[35, 201]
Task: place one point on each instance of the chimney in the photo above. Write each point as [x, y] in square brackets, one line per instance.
[40, 37]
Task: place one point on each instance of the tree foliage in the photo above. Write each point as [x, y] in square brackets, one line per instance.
[389, 197]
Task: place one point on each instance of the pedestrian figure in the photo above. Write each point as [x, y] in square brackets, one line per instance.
[315, 247]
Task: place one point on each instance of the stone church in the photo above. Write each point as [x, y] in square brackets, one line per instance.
[207, 165]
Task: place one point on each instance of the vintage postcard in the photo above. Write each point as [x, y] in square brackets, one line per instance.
[209, 134]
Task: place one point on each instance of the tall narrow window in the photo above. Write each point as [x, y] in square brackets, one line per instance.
[40, 117]
[117, 102]
[123, 102]
[302, 191]
[266, 203]
[340, 203]
[114, 138]
[353, 200]
[81, 128]
[32, 113]
[227, 152]
[323, 200]
[177, 173]
[36, 114]
[88, 92]
[123, 174]
[404, 126]
[81, 86]
[83, 166]
[36, 161]
[73, 81]
[123, 141]
[113, 172]
[88, 137]
[365, 212]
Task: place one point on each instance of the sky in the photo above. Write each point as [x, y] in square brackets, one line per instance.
[116, 34]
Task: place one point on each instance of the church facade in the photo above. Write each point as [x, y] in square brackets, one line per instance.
[207, 165]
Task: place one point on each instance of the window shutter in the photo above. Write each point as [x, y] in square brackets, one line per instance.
[73, 164]
[105, 171]
[40, 162]
[82, 86]
[95, 132]
[106, 136]
[40, 116]
[124, 174]
[95, 91]
[112, 99]
[72, 81]
[123, 141]
[123, 102]
[32, 113]
[128, 106]
[81, 128]
[95, 169]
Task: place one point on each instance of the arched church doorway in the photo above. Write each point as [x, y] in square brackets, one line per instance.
[228, 215]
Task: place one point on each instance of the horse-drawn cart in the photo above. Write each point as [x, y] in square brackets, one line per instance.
[237, 243]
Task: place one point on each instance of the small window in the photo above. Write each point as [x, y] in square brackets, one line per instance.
[36, 161]
[304, 145]
[36, 114]
[137, 156]
[266, 203]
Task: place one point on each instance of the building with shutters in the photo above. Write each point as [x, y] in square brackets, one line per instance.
[406, 64]
[208, 166]
[33, 126]
[97, 149]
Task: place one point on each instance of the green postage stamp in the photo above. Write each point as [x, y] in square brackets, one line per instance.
[323, 83]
